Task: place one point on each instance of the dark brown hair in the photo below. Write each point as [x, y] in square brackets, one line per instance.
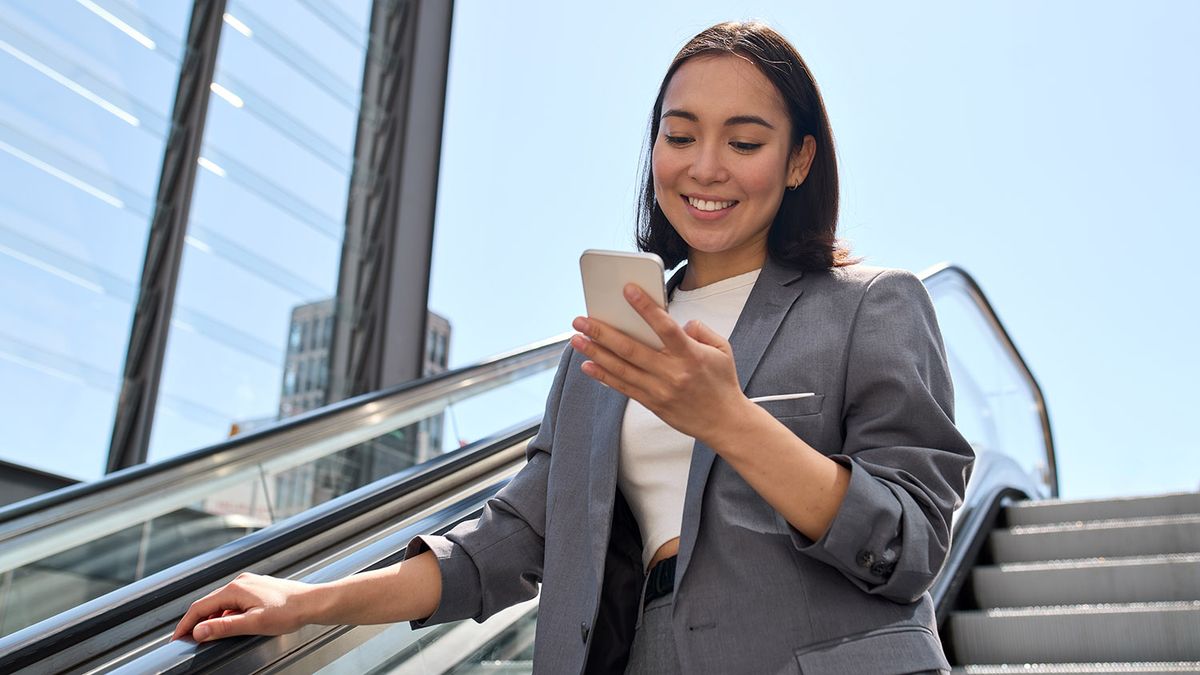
[804, 232]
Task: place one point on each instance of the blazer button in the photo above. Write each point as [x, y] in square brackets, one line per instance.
[583, 632]
[866, 559]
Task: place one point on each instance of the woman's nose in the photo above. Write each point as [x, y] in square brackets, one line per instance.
[706, 166]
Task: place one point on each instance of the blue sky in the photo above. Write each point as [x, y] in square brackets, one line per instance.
[1049, 148]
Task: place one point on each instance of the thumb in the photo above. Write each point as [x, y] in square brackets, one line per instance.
[702, 333]
[223, 627]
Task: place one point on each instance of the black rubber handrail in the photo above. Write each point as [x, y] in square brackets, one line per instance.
[949, 270]
[135, 601]
[185, 656]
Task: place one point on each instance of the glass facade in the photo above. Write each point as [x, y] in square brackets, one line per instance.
[84, 117]
[84, 114]
[267, 215]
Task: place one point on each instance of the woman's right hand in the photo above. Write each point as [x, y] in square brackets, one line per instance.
[251, 604]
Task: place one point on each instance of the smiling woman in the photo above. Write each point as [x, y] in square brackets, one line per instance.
[771, 491]
[742, 100]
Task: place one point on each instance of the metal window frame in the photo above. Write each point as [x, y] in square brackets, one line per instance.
[142, 371]
[383, 282]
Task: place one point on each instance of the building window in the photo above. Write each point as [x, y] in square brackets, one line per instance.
[289, 381]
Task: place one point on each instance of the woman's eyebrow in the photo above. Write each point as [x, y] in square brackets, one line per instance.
[731, 122]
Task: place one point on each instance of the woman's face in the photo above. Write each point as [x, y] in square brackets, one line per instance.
[723, 156]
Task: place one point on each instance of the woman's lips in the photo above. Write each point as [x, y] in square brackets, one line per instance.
[701, 214]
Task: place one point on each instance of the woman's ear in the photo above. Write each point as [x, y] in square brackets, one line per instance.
[801, 161]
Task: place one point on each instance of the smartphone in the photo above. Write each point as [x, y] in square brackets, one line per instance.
[605, 274]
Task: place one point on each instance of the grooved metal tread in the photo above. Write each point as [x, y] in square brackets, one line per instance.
[1107, 524]
[1102, 561]
[1106, 632]
[1063, 510]
[1086, 609]
[1155, 578]
[1144, 668]
[1100, 538]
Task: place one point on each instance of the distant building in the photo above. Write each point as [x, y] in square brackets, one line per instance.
[306, 366]
[305, 387]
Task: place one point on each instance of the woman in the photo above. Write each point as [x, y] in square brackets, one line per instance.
[770, 492]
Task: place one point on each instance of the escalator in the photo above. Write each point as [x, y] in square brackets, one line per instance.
[998, 406]
[61, 552]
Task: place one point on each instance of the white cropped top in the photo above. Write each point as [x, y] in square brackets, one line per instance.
[654, 458]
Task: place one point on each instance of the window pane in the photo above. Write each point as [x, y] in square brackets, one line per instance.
[267, 216]
[84, 110]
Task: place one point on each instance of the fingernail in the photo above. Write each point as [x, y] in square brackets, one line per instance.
[201, 633]
[580, 324]
[631, 292]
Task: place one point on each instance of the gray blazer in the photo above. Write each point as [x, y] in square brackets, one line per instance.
[753, 594]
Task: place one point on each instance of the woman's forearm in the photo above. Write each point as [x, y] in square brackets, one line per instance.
[803, 485]
[406, 591]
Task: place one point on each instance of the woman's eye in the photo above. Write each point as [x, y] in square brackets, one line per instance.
[677, 140]
[745, 147]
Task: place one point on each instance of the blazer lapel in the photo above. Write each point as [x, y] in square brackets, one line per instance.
[606, 439]
[773, 295]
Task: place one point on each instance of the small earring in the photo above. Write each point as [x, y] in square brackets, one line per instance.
[792, 188]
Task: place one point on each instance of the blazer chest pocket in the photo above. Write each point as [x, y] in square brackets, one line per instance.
[791, 405]
[888, 651]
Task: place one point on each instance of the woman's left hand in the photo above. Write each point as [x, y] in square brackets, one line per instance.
[691, 383]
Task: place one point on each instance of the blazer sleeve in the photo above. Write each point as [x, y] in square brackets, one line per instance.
[495, 561]
[908, 463]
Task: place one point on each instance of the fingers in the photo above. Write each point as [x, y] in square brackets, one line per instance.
[227, 626]
[700, 332]
[231, 599]
[594, 371]
[210, 606]
[616, 342]
[613, 367]
[660, 321]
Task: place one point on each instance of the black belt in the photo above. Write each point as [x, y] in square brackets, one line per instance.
[661, 580]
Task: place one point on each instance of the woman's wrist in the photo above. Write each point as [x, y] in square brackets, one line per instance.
[735, 422]
[319, 603]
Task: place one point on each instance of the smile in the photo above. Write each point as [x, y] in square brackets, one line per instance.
[707, 205]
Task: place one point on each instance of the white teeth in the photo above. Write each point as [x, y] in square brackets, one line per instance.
[705, 205]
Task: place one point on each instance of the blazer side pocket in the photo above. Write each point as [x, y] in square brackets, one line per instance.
[887, 651]
[792, 407]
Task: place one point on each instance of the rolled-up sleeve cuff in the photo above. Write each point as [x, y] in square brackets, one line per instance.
[864, 528]
[461, 591]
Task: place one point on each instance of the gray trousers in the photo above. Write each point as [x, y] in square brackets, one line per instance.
[653, 651]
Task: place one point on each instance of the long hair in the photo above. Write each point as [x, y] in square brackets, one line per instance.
[803, 234]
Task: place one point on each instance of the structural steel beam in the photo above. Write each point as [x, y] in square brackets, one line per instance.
[383, 284]
[164, 247]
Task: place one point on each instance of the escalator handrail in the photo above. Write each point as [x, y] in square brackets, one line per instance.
[298, 534]
[950, 271]
[187, 656]
[77, 500]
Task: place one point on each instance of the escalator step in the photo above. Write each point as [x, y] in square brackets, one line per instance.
[1151, 631]
[1091, 580]
[1160, 668]
[1050, 511]
[1101, 538]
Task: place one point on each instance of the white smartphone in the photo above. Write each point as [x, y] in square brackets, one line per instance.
[605, 274]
